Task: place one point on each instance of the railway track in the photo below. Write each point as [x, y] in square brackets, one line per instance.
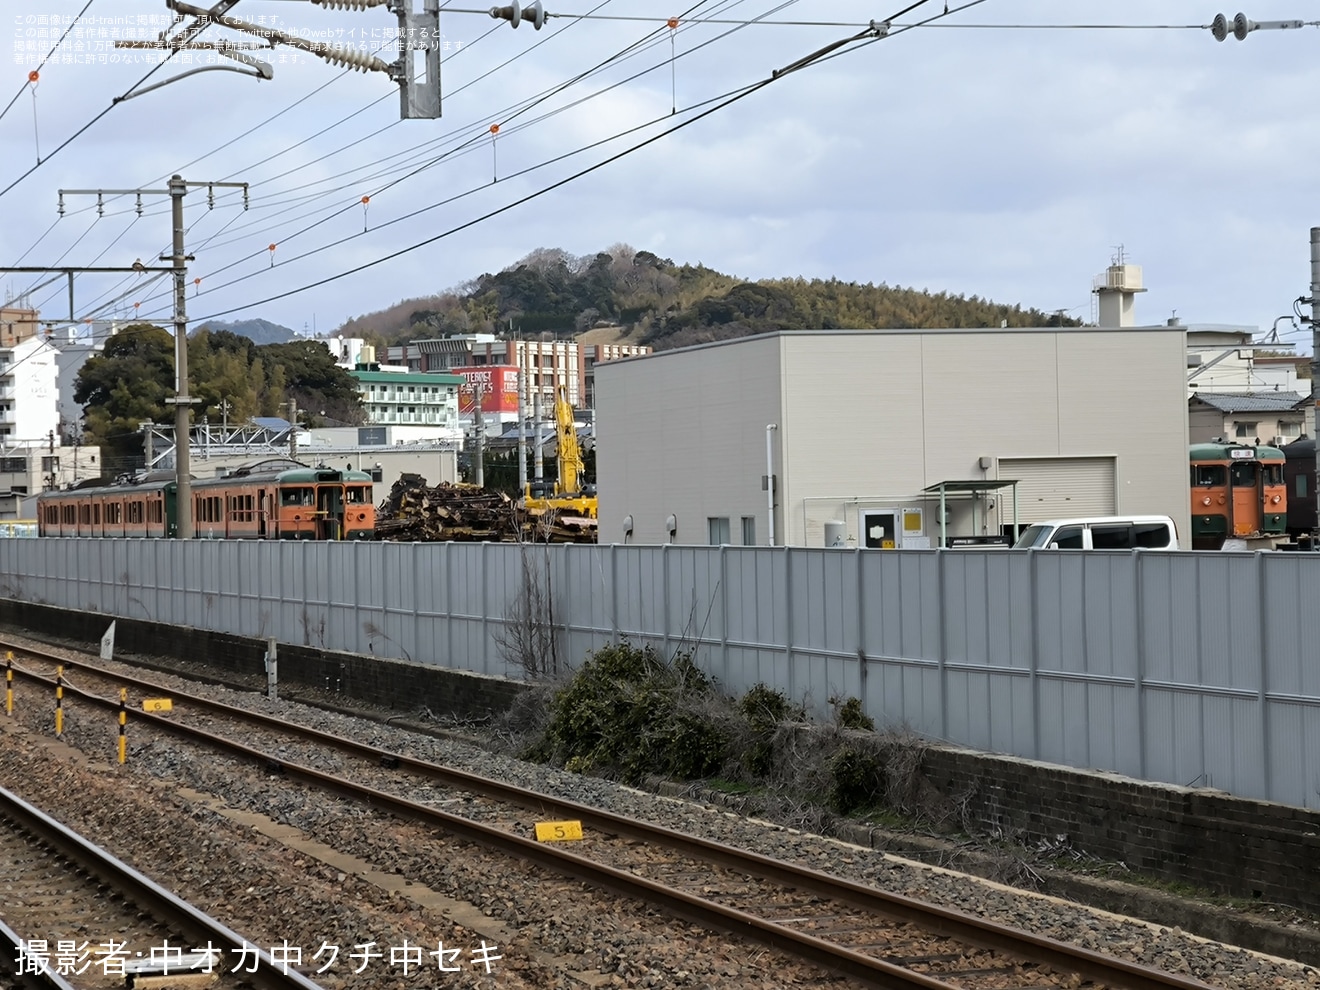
[76, 918]
[874, 936]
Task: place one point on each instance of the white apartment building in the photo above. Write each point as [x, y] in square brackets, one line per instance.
[73, 346]
[401, 399]
[29, 391]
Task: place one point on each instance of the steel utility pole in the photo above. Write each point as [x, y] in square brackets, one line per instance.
[182, 440]
[293, 429]
[178, 258]
[522, 432]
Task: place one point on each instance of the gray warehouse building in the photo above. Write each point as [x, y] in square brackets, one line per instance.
[891, 438]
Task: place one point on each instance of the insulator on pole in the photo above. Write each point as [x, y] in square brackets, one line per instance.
[350, 4]
[351, 58]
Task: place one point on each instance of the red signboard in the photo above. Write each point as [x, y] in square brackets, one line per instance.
[498, 384]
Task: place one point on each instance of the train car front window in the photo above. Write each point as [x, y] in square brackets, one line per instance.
[1244, 474]
[1208, 475]
[296, 496]
[1273, 473]
[358, 494]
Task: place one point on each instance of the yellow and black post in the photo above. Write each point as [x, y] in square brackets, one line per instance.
[123, 720]
[9, 682]
[59, 700]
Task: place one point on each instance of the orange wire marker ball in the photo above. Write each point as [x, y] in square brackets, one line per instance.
[271, 249]
[494, 128]
[366, 200]
[672, 22]
[34, 76]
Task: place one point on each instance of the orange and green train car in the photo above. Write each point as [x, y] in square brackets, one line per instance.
[1238, 493]
[268, 500]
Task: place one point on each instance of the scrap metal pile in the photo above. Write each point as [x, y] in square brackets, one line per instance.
[415, 512]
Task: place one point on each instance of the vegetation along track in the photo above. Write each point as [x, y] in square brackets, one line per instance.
[880, 938]
[76, 917]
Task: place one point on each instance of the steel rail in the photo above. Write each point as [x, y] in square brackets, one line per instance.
[11, 944]
[147, 894]
[930, 917]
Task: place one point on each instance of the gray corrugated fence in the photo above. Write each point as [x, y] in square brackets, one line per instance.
[1187, 668]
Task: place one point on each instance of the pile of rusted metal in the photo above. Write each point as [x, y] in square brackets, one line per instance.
[415, 512]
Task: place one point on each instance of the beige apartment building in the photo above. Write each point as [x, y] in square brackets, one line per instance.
[891, 438]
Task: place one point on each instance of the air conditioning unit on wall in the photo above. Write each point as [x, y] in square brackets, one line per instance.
[1280, 441]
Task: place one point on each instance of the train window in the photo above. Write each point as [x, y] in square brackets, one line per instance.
[1301, 485]
[1243, 474]
[296, 496]
[1068, 538]
[96, 514]
[358, 494]
[1272, 473]
[1208, 475]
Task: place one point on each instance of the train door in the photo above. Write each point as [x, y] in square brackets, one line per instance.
[329, 512]
[1244, 478]
[261, 513]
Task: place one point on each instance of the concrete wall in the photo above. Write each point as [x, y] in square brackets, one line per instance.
[358, 680]
[683, 432]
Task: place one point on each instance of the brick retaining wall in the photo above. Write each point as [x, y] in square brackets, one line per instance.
[1205, 838]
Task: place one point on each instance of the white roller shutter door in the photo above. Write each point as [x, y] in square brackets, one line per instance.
[1060, 487]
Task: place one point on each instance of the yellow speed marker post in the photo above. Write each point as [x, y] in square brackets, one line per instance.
[59, 700]
[558, 831]
[123, 721]
[158, 704]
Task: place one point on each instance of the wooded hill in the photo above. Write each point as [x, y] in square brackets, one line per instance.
[655, 301]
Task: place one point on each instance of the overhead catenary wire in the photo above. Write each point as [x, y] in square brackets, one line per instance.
[739, 24]
[477, 132]
[725, 101]
[46, 58]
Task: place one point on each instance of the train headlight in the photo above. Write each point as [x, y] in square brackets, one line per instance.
[1206, 500]
[1275, 500]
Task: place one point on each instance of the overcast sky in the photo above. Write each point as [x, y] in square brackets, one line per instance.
[1004, 163]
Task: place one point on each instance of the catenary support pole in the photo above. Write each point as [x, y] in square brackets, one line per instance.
[182, 438]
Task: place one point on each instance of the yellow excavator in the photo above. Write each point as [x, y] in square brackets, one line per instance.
[567, 497]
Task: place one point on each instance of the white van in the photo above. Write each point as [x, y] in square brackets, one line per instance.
[1101, 533]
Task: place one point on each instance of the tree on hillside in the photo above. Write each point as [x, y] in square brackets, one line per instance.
[669, 305]
[129, 382]
[326, 391]
[124, 386]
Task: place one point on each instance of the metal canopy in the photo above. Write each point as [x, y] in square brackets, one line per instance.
[971, 489]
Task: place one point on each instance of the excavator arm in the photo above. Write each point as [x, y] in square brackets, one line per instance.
[570, 454]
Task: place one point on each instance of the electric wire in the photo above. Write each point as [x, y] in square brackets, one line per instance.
[467, 147]
[46, 57]
[725, 101]
[559, 88]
